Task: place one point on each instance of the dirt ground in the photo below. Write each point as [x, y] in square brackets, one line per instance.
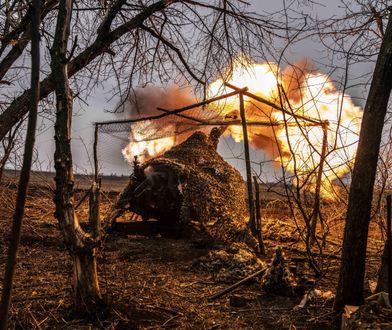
[150, 282]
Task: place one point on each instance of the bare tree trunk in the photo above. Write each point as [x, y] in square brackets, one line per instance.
[25, 173]
[8, 146]
[352, 269]
[81, 245]
[23, 39]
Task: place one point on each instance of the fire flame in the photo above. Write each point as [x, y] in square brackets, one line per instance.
[296, 143]
[261, 79]
[145, 148]
[288, 139]
[143, 142]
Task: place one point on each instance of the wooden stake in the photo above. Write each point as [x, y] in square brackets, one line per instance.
[273, 105]
[389, 238]
[248, 168]
[95, 153]
[94, 204]
[235, 285]
[258, 218]
[316, 206]
[175, 111]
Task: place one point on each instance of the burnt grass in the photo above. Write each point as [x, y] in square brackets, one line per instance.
[149, 282]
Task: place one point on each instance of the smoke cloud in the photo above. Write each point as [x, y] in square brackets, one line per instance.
[299, 88]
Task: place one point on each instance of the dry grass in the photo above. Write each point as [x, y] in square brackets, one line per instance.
[150, 282]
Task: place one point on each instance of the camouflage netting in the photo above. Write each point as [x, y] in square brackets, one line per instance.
[229, 264]
[278, 279]
[191, 184]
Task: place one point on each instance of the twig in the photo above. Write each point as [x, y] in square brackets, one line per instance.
[262, 309]
[34, 319]
[318, 318]
[83, 198]
[235, 285]
[170, 319]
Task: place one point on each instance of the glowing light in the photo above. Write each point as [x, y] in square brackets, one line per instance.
[143, 148]
[298, 146]
[260, 79]
[147, 149]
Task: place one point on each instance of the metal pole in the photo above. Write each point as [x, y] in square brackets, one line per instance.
[248, 168]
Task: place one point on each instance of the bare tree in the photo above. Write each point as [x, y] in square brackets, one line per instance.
[356, 37]
[350, 287]
[25, 172]
[160, 47]
[132, 42]
[8, 145]
[81, 245]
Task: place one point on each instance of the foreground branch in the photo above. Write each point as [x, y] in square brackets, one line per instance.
[21, 105]
[25, 172]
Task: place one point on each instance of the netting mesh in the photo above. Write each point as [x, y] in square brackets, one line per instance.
[114, 136]
[147, 136]
[164, 125]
